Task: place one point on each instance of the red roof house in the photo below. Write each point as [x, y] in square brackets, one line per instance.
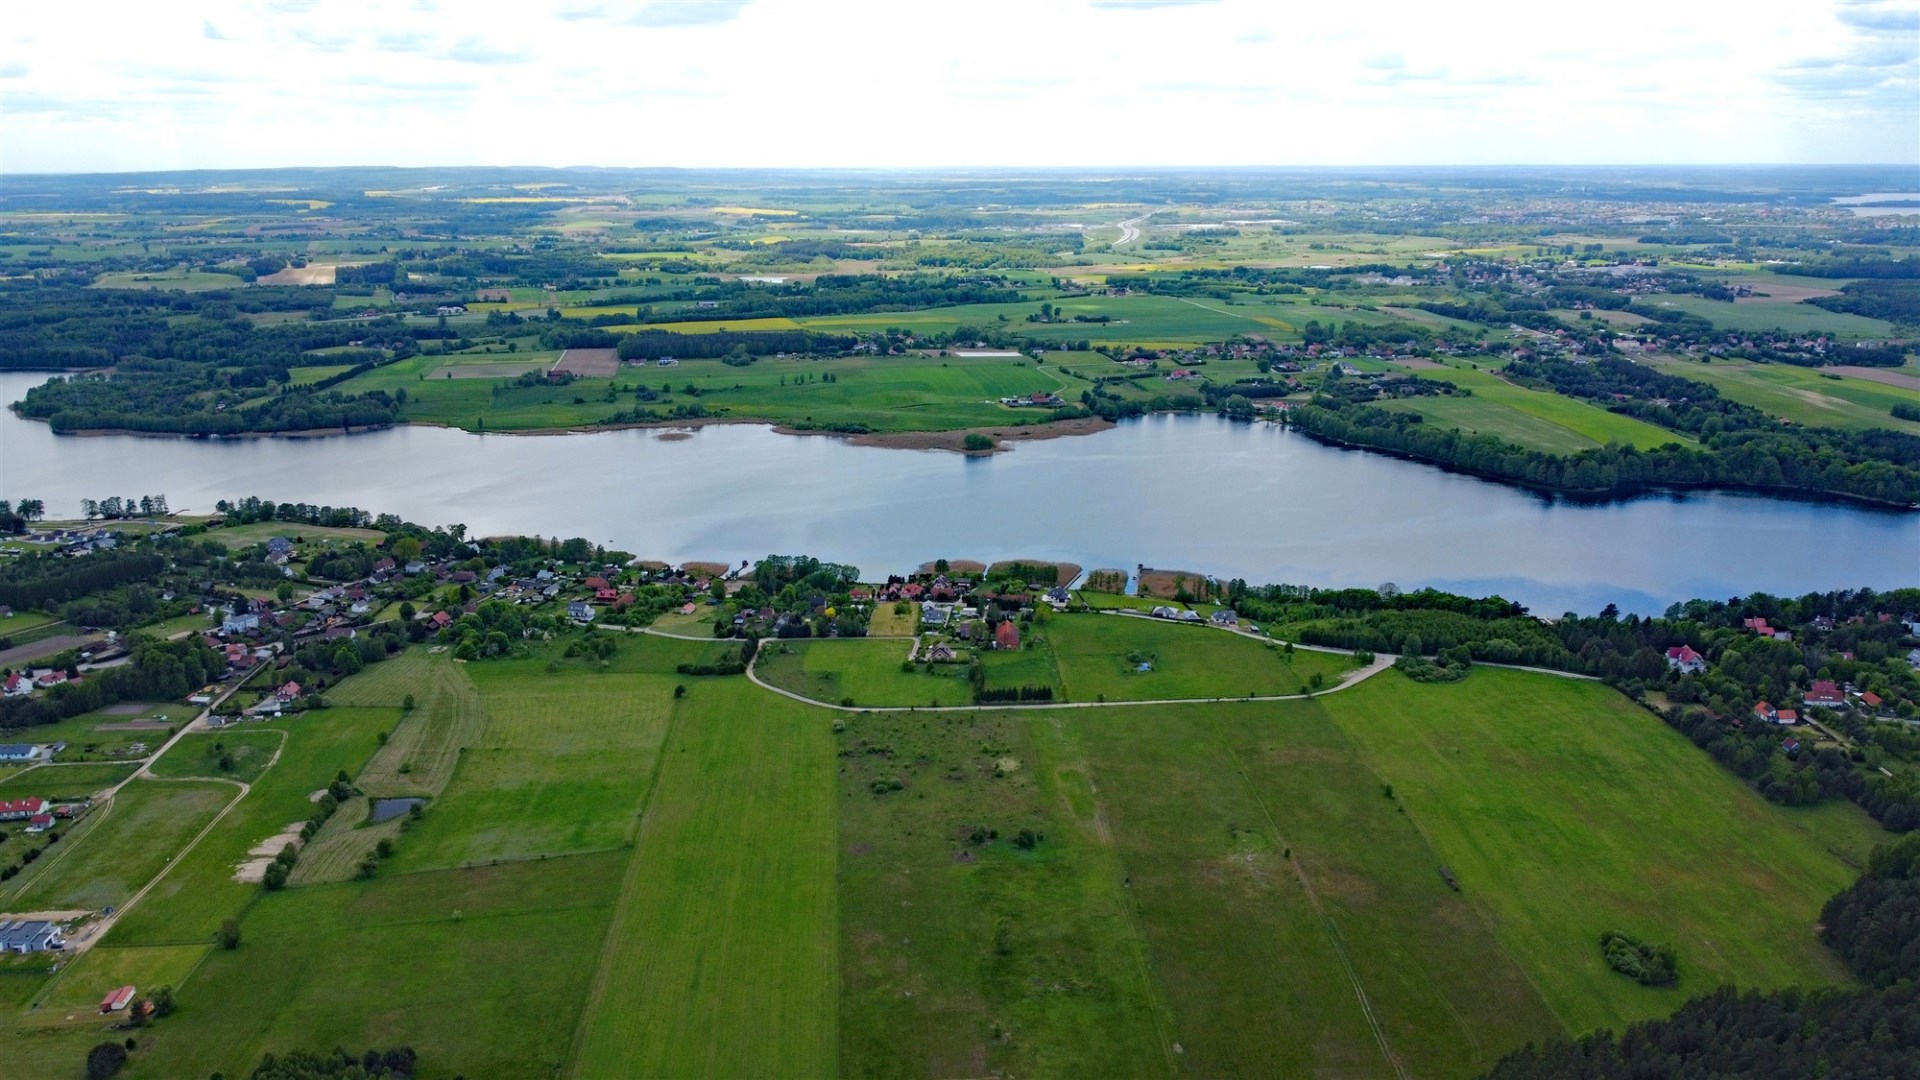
[288, 692]
[1870, 699]
[1824, 692]
[1683, 658]
[595, 583]
[117, 1000]
[15, 809]
[1006, 635]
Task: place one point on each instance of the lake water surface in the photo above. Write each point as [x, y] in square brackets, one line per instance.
[1180, 492]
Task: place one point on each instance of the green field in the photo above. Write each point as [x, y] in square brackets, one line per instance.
[119, 847]
[1767, 315]
[864, 670]
[1565, 810]
[1092, 652]
[186, 280]
[259, 532]
[48, 781]
[1802, 395]
[721, 957]
[1536, 419]
[723, 881]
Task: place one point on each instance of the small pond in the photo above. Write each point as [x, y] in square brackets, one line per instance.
[388, 809]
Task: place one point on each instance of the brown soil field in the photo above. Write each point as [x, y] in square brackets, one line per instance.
[589, 363]
[957, 566]
[1879, 375]
[24, 654]
[1164, 583]
[1781, 294]
[1064, 572]
[310, 274]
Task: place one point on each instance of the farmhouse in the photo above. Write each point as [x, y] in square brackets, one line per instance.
[580, 611]
[21, 809]
[1006, 635]
[1764, 712]
[1683, 658]
[17, 686]
[18, 752]
[39, 823]
[1224, 617]
[288, 692]
[29, 936]
[941, 653]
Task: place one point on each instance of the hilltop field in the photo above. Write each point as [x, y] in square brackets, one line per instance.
[621, 869]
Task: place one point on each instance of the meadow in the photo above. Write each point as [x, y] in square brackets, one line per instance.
[1802, 395]
[718, 880]
[1536, 419]
[1770, 315]
[259, 532]
[864, 671]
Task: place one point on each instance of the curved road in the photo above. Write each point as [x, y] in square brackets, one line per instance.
[1130, 229]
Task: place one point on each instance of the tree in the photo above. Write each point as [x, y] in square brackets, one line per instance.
[31, 509]
[105, 1059]
[229, 934]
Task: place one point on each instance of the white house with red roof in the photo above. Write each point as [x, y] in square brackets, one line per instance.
[21, 809]
[1683, 658]
[288, 692]
[1825, 693]
[1764, 712]
[17, 685]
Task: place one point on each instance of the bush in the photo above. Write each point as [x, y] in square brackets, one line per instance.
[975, 444]
[1649, 965]
[105, 1059]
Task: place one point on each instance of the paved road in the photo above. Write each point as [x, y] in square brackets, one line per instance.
[1130, 229]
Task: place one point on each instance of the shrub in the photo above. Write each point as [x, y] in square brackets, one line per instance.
[105, 1059]
[1649, 965]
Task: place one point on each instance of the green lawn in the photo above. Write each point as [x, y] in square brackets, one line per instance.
[1187, 661]
[200, 755]
[97, 972]
[721, 959]
[48, 781]
[867, 670]
[1565, 810]
[1803, 395]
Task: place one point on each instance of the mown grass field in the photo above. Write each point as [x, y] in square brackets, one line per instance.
[1802, 395]
[1792, 317]
[51, 781]
[560, 766]
[1565, 810]
[80, 987]
[721, 957]
[121, 849]
[1187, 661]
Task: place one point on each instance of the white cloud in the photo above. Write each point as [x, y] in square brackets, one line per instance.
[987, 83]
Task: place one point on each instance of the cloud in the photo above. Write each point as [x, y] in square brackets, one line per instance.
[403, 41]
[13, 71]
[663, 13]
[1253, 37]
[475, 51]
[314, 39]
[210, 31]
[575, 14]
[1385, 62]
[1146, 5]
[1877, 15]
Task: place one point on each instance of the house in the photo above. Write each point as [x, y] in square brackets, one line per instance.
[1822, 623]
[860, 594]
[580, 611]
[288, 692]
[1913, 659]
[687, 609]
[17, 686]
[1162, 611]
[1224, 617]
[383, 565]
[117, 1000]
[1006, 635]
[440, 620]
[29, 936]
[1764, 712]
[934, 614]
[279, 545]
[39, 823]
[606, 595]
[941, 653]
[1786, 717]
[49, 680]
[1824, 692]
[1189, 615]
[450, 309]
[1791, 746]
[595, 583]
[1058, 595]
[1758, 625]
[1870, 701]
[416, 567]
[668, 361]
[18, 752]
[21, 809]
[1683, 658]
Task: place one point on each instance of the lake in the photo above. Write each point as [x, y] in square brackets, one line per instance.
[1191, 493]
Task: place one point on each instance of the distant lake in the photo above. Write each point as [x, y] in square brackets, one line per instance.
[1178, 492]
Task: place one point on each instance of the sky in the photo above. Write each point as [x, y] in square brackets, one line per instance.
[945, 83]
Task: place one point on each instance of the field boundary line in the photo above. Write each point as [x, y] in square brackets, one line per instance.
[1334, 936]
